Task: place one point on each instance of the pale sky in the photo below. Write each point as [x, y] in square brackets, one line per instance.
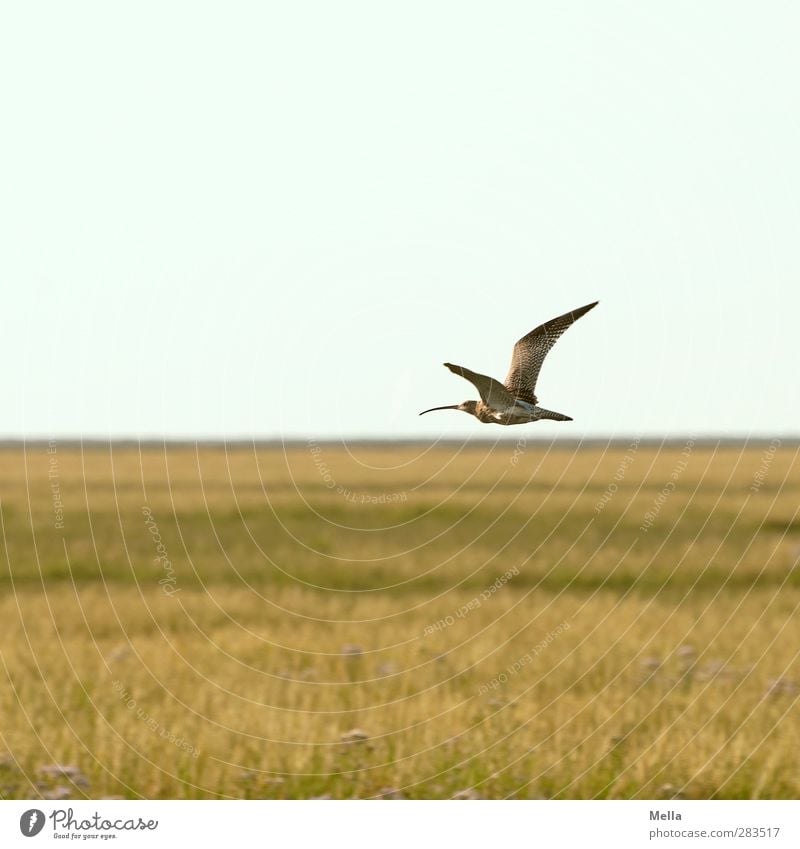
[280, 219]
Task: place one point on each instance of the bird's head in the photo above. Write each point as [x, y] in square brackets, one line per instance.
[465, 406]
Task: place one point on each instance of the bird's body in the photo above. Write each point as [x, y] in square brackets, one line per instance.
[515, 402]
[520, 412]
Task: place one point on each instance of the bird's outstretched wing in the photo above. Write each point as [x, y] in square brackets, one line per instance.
[530, 351]
[492, 392]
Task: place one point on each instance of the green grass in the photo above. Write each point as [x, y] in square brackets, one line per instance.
[224, 671]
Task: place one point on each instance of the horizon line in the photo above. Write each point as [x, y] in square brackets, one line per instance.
[240, 442]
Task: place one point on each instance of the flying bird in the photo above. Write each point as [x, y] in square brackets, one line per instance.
[515, 402]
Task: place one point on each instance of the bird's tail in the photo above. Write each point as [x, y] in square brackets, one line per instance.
[549, 414]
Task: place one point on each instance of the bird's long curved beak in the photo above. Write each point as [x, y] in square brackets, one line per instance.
[449, 407]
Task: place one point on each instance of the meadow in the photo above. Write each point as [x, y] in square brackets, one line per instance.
[510, 620]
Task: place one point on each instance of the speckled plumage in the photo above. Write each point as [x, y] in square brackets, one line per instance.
[515, 401]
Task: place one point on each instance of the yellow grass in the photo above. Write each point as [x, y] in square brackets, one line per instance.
[502, 621]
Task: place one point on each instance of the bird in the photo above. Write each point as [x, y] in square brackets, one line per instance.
[514, 402]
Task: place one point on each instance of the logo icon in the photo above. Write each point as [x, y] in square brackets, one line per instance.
[31, 822]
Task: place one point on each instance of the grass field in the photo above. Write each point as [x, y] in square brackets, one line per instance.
[520, 621]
